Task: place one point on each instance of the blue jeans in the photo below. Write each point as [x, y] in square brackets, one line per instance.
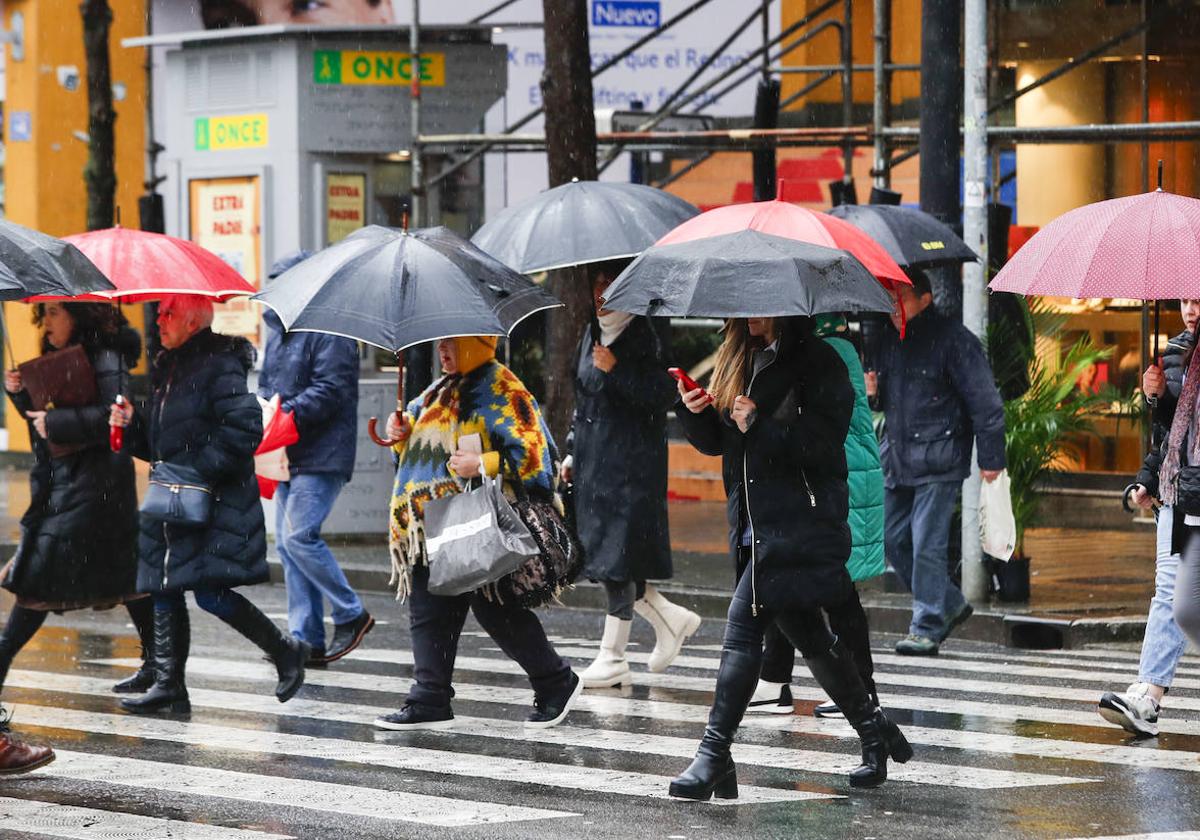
[310, 570]
[917, 536]
[1164, 642]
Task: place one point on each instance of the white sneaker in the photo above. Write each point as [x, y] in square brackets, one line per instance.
[1135, 710]
[772, 699]
[672, 625]
[610, 668]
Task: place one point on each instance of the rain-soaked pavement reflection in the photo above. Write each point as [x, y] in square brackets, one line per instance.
[1008, 744]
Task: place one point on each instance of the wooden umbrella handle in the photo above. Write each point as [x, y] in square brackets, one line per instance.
[373, 423]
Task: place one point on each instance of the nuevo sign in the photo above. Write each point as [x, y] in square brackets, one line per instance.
[627, 13]
[359, 67]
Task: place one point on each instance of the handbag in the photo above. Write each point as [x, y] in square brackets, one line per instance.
[474, 538]
[1187, 490]
[60, 379]
[560, 555]
[177, 495]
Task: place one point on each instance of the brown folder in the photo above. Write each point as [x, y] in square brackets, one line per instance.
[60, 379]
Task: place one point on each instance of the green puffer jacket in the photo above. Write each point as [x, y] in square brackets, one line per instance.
[862, 459]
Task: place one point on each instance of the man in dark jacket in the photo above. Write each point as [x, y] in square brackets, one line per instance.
[316, 378]
[938, 397]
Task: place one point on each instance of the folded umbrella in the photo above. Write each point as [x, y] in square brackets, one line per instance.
[913, 238]
[581, 222]
[748, 274]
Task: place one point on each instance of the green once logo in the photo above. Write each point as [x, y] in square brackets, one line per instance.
[202, 134]
[327, 67]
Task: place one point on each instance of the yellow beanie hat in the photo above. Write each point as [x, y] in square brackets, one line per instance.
[474, 351]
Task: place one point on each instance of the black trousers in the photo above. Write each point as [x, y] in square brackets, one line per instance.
[847, 620]
[437, 623]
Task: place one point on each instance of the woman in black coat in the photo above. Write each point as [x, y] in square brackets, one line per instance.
[202, 416]
[778, 416]
[79, 535]
[618, 462]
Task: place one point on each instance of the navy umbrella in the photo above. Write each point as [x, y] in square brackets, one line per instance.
[747, 274]
[913, 238]
[581, 222]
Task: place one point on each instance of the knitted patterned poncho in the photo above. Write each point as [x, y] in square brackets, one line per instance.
[489, 401]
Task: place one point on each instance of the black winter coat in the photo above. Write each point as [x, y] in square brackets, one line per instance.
[619, 445]
[79, 535]
[787, 477]
[201, 415]
[938, 397]
[1173, 357]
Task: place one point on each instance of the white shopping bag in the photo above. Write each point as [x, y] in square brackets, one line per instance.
[997, 527]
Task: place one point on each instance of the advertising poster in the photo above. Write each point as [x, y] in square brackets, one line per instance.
[345, 205]
[226, 220]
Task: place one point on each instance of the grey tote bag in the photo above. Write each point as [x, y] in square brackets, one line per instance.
[474, 538]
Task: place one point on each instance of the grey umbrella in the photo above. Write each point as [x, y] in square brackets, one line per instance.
[581, 222]
[912, 237]
[747, 274]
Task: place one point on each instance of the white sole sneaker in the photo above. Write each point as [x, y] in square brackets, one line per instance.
[380, 723]
[769, 707]
[566, 710]
[1114, 709]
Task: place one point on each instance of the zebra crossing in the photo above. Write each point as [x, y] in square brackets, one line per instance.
[996, 733]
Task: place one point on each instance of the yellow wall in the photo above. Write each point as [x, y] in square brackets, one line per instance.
[44, 177]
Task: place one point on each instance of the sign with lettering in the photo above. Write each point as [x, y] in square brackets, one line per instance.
[646, 13]
[234, 131]
[360, 67]
[345, 205]
[225, 219]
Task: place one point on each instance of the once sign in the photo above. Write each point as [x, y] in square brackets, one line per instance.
[360, 67]
[238, 131]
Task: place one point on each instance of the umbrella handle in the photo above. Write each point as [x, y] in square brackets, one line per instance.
[372, 430]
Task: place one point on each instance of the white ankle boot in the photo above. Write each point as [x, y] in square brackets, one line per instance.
[610, 667]
[672, 625]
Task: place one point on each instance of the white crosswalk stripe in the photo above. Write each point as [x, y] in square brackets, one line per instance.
[50, 819]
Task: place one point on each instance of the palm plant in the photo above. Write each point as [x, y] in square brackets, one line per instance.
[1044, 424]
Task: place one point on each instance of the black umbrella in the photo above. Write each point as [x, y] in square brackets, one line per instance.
[581, 222]
[396, 288]
[911, 237]
[33, 264]
[747, 274]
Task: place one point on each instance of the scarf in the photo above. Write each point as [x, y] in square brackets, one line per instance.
[1185, 422]
[612, 324]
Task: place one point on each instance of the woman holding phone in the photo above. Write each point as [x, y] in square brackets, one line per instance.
[778, 415]
[618, 462]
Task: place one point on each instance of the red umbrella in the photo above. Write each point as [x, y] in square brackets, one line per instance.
[148, 266]
[789, 220]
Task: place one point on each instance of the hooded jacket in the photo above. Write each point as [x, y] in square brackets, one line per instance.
[201, 415]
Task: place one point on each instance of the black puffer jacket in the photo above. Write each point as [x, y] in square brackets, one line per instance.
[202, 416]
[791, 468]
[1173, 357]
[79, 535]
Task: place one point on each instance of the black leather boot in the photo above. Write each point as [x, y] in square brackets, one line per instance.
[172, 640]
[712, 771]
[881, 738]
[287, 652]
[141, 612]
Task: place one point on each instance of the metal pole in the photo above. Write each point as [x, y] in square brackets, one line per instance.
[975, 230]
[882, 79]
[417, 176]
[847, 35]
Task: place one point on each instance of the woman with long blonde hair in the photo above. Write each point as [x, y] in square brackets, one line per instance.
[778, 416]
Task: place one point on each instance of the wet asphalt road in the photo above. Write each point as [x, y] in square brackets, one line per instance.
[1008, 745]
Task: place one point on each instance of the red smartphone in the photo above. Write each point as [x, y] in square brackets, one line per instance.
[687, 381]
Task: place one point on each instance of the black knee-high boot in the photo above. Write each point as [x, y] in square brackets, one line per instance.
[141, 611]
[836, 672]
[712, 770]
[287, 652]
[172, 640]
[21, 626]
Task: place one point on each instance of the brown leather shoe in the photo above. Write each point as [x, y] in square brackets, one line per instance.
[19, 757]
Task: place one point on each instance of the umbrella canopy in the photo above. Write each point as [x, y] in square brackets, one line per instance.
[581, 222]
[781, 218]
[396, 288]
[913, 238]
[747, 274]
[1144, 246]
[149, 266]
[32, 263]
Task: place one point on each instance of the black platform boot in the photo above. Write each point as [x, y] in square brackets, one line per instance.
[287, 652]
[881, 738]
[172, 640]
[141, 612]
[712, 771]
